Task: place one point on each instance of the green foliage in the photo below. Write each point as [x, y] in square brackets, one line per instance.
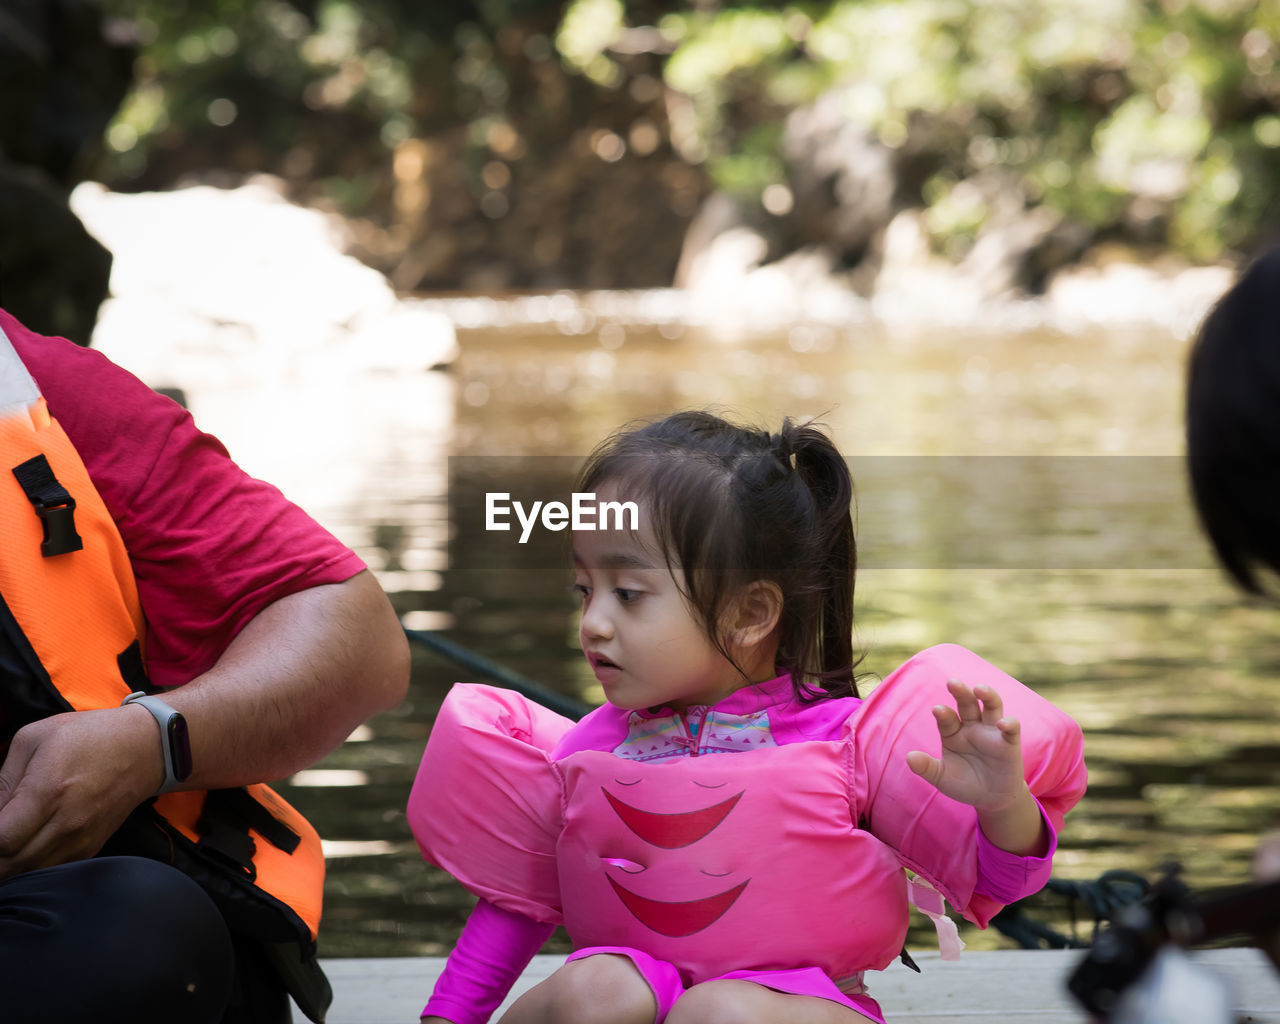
[1117, 113]
[209, 65]
[1160, 117]
[753, 167]
[589, 28]
[327, 87]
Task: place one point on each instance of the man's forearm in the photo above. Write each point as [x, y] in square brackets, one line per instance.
[294, 684]
[288, 689]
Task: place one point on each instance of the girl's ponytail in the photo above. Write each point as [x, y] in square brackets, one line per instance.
[834, 552]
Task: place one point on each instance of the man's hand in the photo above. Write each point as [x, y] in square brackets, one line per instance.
[69, 781]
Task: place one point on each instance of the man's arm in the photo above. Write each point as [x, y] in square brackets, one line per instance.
[288, 689]
[292, 686]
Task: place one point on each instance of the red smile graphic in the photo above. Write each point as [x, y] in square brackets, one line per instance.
[671, 831]
[678, 919]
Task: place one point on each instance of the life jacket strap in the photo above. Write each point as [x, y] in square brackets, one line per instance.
[133, 670]
[224, 828]
[26, 694]
[53, 504]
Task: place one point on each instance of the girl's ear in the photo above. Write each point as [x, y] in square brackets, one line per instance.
[755, 613]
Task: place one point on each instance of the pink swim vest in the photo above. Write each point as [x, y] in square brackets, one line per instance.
[776, 858]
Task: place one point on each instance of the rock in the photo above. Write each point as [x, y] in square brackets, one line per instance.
[841, 185]
[842, 178]
[226, 284]
[701, 258]
[996, 263]
[730, 286]
[1020, 243]
[1106, 291]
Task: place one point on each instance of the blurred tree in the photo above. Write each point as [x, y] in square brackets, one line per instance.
[466, 152]
[542, 143]
[1148, 120]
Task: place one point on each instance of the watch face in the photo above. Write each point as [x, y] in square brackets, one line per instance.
[179, 747]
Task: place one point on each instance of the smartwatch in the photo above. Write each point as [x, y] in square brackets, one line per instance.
[173, 738]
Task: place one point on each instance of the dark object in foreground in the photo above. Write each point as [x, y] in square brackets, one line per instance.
[1171, 914]
[1103, 898]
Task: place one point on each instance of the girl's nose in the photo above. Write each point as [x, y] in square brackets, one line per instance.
[595, 623]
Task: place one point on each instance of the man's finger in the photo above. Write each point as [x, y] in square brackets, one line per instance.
[14, 768]
[22, 820]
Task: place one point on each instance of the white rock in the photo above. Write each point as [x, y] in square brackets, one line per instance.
[241, 282]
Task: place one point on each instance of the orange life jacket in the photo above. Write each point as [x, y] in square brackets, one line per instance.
[71, 635]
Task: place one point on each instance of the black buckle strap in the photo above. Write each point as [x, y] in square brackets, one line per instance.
[53, 504]
[132, 669]
[224, 828]
[231, 844]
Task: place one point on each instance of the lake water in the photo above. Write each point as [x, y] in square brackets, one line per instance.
[1019, 493]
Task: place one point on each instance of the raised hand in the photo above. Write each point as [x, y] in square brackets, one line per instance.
[981, 765]
[981, 761]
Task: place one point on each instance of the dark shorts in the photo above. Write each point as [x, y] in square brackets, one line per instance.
[120, 939]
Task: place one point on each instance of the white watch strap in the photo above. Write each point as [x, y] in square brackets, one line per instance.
[162, 713]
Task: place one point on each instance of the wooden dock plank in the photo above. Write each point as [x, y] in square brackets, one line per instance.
[1005, 985]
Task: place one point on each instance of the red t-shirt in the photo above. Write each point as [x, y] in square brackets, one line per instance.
[210, 545]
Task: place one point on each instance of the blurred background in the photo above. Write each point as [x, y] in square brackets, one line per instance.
[397, 254]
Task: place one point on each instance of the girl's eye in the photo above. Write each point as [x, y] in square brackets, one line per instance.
[581, 590]
[627, 596]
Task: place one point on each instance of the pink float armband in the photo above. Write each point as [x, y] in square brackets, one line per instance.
[486, 803]
[933, 835]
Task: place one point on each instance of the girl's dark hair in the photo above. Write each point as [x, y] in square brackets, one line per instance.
[730, 505]
[1233, 423]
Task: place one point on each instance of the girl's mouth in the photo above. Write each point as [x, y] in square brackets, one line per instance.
[600, 661]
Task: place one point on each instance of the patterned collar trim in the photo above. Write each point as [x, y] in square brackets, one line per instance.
[750, 699]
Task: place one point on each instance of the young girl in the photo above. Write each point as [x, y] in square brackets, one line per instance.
[753, 887]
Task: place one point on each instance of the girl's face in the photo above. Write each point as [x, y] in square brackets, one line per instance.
[646, 645]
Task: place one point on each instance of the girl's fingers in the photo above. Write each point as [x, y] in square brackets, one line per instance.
[992, 705]
[980, 703]
[928, 768]
[949, 722]
[1011, 729]
[967, 706]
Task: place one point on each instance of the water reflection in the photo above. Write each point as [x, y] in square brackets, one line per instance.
[1175, 680]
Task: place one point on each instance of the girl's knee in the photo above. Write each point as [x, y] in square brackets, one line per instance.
[717, 1002]
[603, 988]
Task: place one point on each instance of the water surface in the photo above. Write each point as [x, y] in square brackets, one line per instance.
[1019, 493]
